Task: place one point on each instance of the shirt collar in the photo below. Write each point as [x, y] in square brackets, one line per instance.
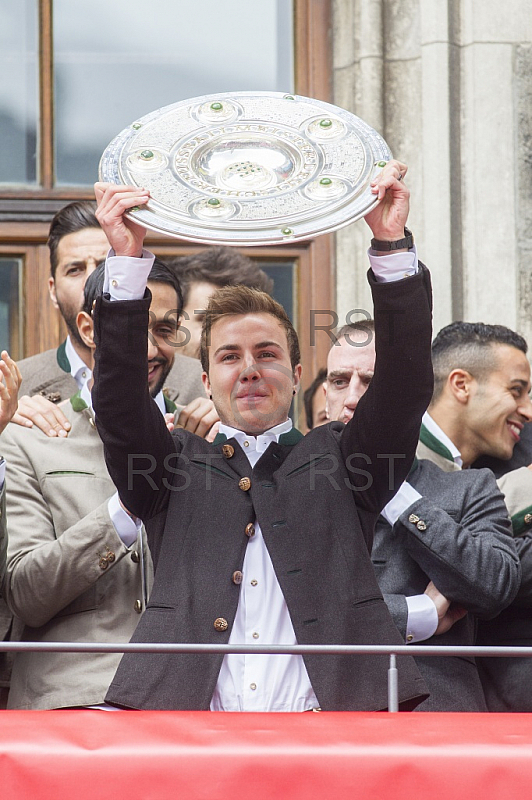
[78, 369]
[259, 443]
[159, 399]
[442, 437]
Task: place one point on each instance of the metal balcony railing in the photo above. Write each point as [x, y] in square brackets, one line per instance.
[299, 649]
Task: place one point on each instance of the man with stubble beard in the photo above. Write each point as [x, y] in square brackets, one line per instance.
[78, 567]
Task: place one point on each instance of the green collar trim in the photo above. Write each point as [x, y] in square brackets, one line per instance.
[169, 405]
[434, 444]
[288, 439]
[522, 522]
[77, 403]
[62, 358]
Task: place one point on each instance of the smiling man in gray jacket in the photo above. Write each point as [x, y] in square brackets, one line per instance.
[443, 552]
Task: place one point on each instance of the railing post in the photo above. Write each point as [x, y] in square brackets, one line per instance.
[393, 690]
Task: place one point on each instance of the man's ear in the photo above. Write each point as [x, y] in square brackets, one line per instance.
[297, 378]
[206, 385]
[86, 329]
[51, 292]
[461, 385]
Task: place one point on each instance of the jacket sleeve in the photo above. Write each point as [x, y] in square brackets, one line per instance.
[140, 453]
[398, 608]
[46, 571]
[517, 489]
[468, 554]
[379, 442]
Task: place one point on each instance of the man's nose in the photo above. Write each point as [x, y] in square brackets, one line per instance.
[153, 350]
[356, 390]
[251, 370]
[525, 408]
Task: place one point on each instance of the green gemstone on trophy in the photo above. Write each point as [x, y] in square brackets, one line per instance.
[325, 123]
[216, 106]
[213, 201]
[146, 155]
[289, 97]
[136, 126]
[381, 163]
[287, 231]
[325, 182]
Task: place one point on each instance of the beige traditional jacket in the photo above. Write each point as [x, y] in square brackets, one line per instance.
[69, 575]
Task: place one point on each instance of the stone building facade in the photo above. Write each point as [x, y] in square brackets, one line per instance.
[449, 85]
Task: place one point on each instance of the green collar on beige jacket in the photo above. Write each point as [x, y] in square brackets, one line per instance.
[78, 404]
[431, 449]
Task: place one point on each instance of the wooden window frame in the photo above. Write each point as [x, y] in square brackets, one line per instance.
[25, 213]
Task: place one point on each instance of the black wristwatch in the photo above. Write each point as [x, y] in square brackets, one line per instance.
[398, 244]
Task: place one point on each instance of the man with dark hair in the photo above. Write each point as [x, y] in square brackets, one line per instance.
[505, 680]
[314, 401]
[77, 244]
[265, 536]
[481, 393]
[201, 275]
[442, 545]
[78, 567]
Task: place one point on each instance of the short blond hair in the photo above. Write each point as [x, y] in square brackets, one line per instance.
[237, 300]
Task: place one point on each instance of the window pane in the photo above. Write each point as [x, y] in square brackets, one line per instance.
[10, 306]
[115, 61]
[284, 284]
[18, 91]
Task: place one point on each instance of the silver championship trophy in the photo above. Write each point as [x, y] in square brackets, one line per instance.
[248, 168]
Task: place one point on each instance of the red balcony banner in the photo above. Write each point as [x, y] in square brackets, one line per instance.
[161, 755]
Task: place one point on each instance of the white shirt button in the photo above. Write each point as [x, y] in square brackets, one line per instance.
[114, 283]
[255, 635]
[252, 686]
[254, 582]
[246, 443]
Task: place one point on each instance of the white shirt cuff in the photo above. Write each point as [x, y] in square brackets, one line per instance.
[404, 498]
[2, 471]
[125, 277]
[125, 526]
[422, 618]
[393, 266]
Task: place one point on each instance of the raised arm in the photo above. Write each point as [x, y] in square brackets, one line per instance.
[381, 438]
[137, 443]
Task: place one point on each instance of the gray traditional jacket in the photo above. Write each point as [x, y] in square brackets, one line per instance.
[457, 535]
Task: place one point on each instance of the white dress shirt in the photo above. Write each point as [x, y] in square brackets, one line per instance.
[261, 682]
